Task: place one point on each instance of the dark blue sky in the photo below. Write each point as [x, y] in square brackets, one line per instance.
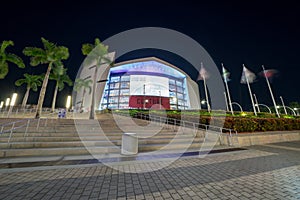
[234, 33]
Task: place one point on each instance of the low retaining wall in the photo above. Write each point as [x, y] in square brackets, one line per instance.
[257, 138]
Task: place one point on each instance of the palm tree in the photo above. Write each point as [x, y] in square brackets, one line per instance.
[51, 55]
[97, 53]
[61, 77]
[8, 57]
[32, 82]
[85, 84]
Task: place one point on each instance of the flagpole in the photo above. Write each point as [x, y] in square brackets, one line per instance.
[251, 97]
[227, 109]
[228, 94]
[270, 89]
[256, 102]
[205, 89]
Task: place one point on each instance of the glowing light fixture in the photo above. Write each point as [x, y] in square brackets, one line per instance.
[1, 104]
[243, 114]
[68, 103]
[7, 102]
[13, 99]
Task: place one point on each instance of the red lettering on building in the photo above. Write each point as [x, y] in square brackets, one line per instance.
[141, 101]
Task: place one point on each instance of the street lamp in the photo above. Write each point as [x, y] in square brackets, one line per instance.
[1, 104]
[296, 109]
[256, 102]
[238, 105]
[293, 110]
[260, 104]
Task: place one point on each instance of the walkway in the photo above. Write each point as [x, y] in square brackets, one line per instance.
[260, 172]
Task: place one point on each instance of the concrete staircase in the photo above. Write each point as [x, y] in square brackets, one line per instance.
[67, 137]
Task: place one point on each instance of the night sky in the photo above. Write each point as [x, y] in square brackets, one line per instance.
[231, 32]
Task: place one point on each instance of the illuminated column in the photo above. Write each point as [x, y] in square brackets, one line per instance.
[1, 105]
[7, 102]
[11, 103]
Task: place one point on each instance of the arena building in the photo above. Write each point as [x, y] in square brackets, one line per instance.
[148, 83]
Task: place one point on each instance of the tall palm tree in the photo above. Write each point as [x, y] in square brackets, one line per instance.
[32, 82]
[8, 57]
[61, 77]
[85, 84]
[51, 55]
[98, 53]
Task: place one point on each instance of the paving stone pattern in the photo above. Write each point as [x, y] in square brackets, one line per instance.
[261, 172]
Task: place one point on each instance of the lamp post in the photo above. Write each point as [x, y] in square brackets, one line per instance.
[238, 105]
[293, 111]
[296, 109]
[283, 104]
[227, 109]
[256, 102]
[264, 106]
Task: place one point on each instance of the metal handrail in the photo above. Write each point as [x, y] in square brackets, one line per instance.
[175, 122]
[195, 125]
[23, 123]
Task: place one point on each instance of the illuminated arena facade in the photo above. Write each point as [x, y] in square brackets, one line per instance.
[148, 83]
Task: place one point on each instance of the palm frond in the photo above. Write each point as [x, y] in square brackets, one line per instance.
[61, 53]
[20, 82]
[34, 87]
[3, 70]
[34, 51]
[61, 86]
[48, 46]
[15, 59]
[97, 41]
[86, 49]
[5, 44]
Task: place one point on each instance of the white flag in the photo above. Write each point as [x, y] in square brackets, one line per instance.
[203, 74]
[247, 74]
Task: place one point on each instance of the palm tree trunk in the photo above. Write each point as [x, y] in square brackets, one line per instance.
[54, 97]
[92, 110]
[42, 93]
[82, 101]
[25, 98]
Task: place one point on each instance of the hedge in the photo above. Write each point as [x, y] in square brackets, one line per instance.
[239, 123]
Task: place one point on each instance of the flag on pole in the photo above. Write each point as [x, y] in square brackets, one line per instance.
[247, 74]
[269, 74]
[203, 74]
[225, 74]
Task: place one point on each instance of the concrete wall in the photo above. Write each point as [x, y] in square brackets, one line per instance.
[261, 138]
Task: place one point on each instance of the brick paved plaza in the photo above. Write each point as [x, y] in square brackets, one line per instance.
[260, 172]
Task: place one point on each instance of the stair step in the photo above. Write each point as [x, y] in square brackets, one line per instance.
[59, 139]
[172, 146]
[20, 145]
[57, 151]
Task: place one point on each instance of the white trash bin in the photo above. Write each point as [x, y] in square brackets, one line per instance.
[129, 144]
